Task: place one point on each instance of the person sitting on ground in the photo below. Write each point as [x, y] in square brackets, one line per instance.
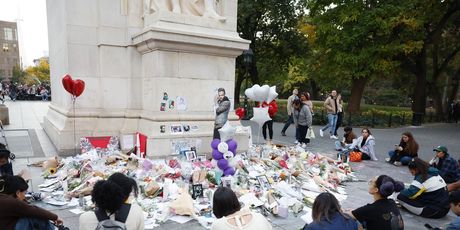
[383, 213]
[227, 209]
[15, 213]
[405, 151]
[6, 167]
[365, 145]
[447, 166]
[454, 200]
[327, 214]
[427, 196]
[112, 200]
[347, 140]
[302, 120]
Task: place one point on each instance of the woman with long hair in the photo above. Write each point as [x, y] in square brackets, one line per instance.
[15, 213]
[365, 145]
[405, 151]
[427, 195]
[383, 213]
[327, 214]
[227, 209]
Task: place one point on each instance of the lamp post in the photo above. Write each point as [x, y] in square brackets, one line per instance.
[247, 62]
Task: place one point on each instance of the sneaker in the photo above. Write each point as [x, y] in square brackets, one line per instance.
[296, 142]
[321, 133]
[283, 134]
[304, 145]
[333, 137]
[397, 163]
[387, 159]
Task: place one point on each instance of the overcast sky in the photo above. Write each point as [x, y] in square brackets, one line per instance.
[33, 31]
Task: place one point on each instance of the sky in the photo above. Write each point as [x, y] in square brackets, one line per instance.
[32, 27]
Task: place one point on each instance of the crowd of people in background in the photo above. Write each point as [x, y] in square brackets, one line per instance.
[17, 91]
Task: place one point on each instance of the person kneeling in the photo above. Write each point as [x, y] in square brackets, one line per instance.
[15, 213]
[427, 196]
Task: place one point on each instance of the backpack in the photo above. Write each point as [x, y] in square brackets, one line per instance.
[120, 218]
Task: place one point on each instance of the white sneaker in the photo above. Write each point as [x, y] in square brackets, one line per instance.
[397, 163]
[334, 137]
[387, 159]
[304, 145]
[296, 142]
[321, 133]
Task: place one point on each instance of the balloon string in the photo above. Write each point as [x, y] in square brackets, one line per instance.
[74, 125]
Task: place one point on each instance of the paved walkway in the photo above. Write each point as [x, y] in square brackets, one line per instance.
[27, 136]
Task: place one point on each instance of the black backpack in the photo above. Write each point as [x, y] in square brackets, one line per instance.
[120, 218]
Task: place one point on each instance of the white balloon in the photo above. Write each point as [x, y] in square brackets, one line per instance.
[261, 93]
[222, 147]
[260, 115]
[228, 155]
[214, 163]
[272, 94]
[227, 132]
[249, 93]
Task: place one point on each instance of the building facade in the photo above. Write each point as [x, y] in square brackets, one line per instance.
[9, 54]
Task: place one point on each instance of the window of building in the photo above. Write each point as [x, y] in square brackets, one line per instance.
[8, 33]
[5, 47]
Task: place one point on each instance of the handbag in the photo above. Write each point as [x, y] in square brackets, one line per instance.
[355, 156]
[310, 134]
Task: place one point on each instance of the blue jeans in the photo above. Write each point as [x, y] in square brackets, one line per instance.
[33, 223]
[339, 146]
[331, 123]
[404, 160]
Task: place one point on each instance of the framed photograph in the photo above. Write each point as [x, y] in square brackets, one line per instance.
[264, 183]
[186, 128]
[226, 182]
[176, 129]
[162, 128]
[197, 191]
[190, 155]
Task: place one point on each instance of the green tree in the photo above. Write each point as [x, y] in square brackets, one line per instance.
[272, 28]
[18, 74]
[41, 72]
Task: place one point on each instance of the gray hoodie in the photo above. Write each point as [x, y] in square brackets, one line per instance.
[302, 117]
[222, 112]
[368, 146]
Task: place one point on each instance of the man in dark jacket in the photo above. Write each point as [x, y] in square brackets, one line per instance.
[222, 109]
[6, 167]
[447, 166]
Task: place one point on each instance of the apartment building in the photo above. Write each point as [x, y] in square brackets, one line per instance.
[9, 54]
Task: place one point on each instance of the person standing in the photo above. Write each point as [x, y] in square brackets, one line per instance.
[332, 109]
[272, 110]
[339, 114]
[222, 109]
[289, 111]
[302, 120]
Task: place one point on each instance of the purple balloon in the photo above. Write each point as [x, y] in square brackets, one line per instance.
[232, 145]
[215, 143]
[216, 155]
[222, 164]
[230, 171]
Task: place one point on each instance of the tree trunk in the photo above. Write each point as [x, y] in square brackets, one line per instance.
[419, 95]
[357, 90]
[455, 84]
[437, 101]
[314, 90]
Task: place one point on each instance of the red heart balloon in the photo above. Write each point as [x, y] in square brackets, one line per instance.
[78, 87]
[240, 112]
[67, 82]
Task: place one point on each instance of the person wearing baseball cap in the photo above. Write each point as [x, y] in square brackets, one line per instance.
[447, 166]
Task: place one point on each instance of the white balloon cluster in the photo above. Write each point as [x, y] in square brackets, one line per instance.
[261, 93]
